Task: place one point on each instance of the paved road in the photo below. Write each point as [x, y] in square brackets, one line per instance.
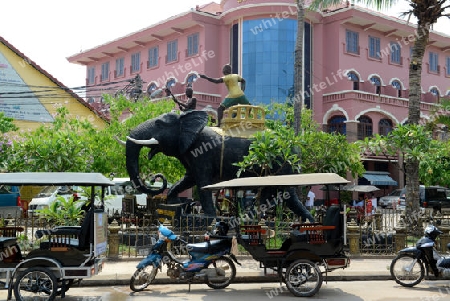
[336, 291]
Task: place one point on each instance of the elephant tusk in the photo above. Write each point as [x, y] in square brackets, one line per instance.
[121, 142]
[151, 141]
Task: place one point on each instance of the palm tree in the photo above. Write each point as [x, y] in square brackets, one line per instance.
[427, 13]
[298, 67]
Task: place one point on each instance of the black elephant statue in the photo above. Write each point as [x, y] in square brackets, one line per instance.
[207, 155]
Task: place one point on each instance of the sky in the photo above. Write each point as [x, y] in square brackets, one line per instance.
[49, 31]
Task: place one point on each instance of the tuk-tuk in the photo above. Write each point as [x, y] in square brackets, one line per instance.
[309, 250]
[66, 254]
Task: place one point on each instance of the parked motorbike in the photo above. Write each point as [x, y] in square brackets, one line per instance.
[409, 267]
[210, 262]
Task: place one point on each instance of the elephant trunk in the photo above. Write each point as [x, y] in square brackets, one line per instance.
[132, 164]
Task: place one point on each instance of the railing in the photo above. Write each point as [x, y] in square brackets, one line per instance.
[383, 233]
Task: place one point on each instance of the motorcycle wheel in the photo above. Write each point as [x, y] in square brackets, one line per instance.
[228, 266]
[303, 278]
[142, 278]
[405, 271]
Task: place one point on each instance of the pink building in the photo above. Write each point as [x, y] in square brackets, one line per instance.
[356, 62]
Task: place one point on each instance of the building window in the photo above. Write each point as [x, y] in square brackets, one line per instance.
[151, 88]
[172, 51]
[355, 79]
[191, 79]
[433, 63]
[135, 62]
[153, 54]
[364, 127]
[374, 48]
[91, 75]
[337, 125]
[120, 67]
[377, 83]
[91, 100]
[447, 66]
[105, 71]
[170, 83]
[396, 53]
[385, 127]
[352, 42]
[434, 91]
[397, 86]
[192, 44]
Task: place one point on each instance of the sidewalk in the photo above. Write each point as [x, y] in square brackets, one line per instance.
[363, 268]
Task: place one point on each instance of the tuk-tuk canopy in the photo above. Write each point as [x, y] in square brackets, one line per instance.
[54, 178]
[282, 180]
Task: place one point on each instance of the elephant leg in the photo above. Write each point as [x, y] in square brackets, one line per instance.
[185, 183]
[207, 202]
[297, 207]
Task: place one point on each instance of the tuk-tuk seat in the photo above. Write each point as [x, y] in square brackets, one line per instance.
[64, 237]
[10, 231]
[316, 233]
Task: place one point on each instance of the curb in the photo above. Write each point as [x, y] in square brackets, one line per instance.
[251, 279]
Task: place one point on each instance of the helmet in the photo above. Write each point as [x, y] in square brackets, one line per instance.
[221, 229]
[432, 232]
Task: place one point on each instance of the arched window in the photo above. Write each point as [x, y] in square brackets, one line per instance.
[435, 92]
[355, 79]
[151, 88]
[365, 128]
[191, 79]
[170, 83]
[397, 86]
[375, 80]
[91, 100]
[384, 127]
[337, 125]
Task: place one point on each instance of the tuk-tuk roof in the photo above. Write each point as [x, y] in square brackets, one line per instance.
[55, 178]
[282, 180]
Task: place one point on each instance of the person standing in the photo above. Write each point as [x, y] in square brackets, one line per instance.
[311, 196]
[235, 93]
[374, 202]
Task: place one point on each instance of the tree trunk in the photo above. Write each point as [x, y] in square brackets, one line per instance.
[298, 68]
[415, 93]
[415, 73]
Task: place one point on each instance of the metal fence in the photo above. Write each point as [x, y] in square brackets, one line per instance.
[377, 234]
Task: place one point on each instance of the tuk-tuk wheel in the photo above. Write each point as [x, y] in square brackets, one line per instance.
[303, 278]
[36, 283]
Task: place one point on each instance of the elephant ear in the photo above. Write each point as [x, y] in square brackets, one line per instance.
[191, 123]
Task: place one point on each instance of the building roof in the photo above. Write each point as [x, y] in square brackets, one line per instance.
[53, 79]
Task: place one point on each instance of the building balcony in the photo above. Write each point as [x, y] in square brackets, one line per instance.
[356, 95]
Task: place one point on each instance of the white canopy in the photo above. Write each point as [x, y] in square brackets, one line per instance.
[282, 180]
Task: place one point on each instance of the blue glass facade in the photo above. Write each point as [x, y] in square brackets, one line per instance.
[268, 59]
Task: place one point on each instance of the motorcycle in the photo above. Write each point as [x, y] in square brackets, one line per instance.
[409, 267]
[210, 262]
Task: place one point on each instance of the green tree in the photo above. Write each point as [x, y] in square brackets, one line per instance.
[279, 145]
[407, 143]
[57, 146]
[6, 125]
[63, 212]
